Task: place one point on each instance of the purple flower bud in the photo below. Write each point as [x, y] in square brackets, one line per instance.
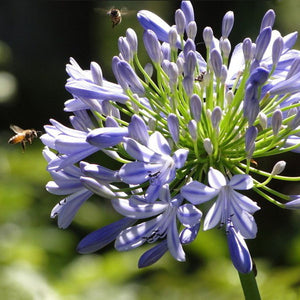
[208, 36]
[292, 111]
[180, 63]
[180, 21]
[295, 122]
[223, 76]
[173, 73]
[165, 65]
[250, 137]
[238, 249]
[268, 20]
[96, 73]
[103, 236]
[294, 69]
[279, 167]
[152, 46]
[107, 136]
[216, 62]
[189, 46]
[151, 21]
[188, 85]
[81, 121]
[247, 49]
[196, 107]
[290, 40]
[262, 43]
[208, 146]
[251, 109]
[190, 64]
[258, 76]
[276, 121]
[132, 40]
[191, 30]
[166, 51]
[111, 122]
[192, 126]
[121, 81]
[294, 203]
[263, 120]
[173, 125]
[137, 130]
[277, 50]
[149, 69]
[173, 37]
[153, 255]
[126, 72]
[124, 48]
[227, 24]
[229, 96]
[188, 10]
[216, 116]
[225, 47]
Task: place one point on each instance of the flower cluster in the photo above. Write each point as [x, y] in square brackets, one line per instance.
[186, 136]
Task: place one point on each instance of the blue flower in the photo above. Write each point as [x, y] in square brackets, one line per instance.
[163, 226]
[181, 131]
[66, 182]
[70, 143]
[229, 203]
[154, 163]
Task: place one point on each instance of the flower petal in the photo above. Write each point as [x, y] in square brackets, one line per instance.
[140, 152]
[153, 255]
[197, 192]
[129, 209]
[214, 215]
[189, 215]
[215, 178]
[187, 235]
[180, 157]
[107, 136]
[174, 244]
[159, 144]
[67, 208]
[135, 236]
[137, 172]
[241, 182]
[239, 252]
[103, 236]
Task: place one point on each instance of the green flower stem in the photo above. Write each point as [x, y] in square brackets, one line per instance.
[249, 286]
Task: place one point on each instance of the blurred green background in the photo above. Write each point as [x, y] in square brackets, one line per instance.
[38, 260]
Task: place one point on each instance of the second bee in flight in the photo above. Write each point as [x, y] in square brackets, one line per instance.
[22, 136]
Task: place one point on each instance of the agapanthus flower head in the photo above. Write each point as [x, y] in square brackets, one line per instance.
[189, 135]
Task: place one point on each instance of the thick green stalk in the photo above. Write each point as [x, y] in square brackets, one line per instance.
[249, 286]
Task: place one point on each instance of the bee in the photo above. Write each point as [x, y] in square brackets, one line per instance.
[22, 136]
[200, 77]
[115, 14]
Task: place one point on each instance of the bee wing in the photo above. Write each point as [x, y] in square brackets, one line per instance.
[16, 128]
[125, 11]
[103, 11]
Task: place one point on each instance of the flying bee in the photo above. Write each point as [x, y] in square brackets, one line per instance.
[22, 136]
[115, 14]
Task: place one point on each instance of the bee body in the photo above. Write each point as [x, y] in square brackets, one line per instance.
[22, 136]
[115, 16]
